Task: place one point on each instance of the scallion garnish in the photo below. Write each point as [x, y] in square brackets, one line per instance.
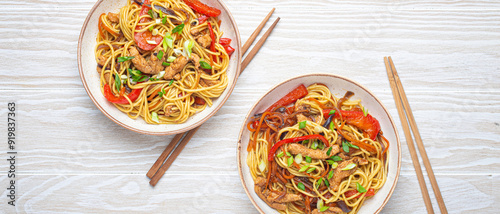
[301, 186]
[178, 28]
[360, 188]
[335, 165]
[205, 65]
[160, 54]
[314, 145]
[365, 111]
[289, 161]
[311, 170]
[118, 82]
[280, 154]
[165, 64]
[324, 208]
[345, 147]
[327, 183]
[330, 174]
[171, 58]
[298, 158]
[329, 151]
[336, 158]
[353, 146]
[330, 162]
[303, 168]
[162, 92]
[288, 154]
[308, 159]
[134, 72]
[125, 58]
[331, 112]
[320, 181]
[170, 83]
[349, 167]
[164, 20]
[154, 117]
[262, 166]
[302, 124]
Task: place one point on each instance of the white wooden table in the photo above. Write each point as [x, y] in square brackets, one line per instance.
[71, 158]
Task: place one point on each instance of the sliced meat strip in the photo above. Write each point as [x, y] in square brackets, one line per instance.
[113, 17]
[330, 210]
[339, 174]
[263, 195]
[295, 148]
[289, 197]
[204, 40]
[172, 71]
[208, 83]
[139, 61]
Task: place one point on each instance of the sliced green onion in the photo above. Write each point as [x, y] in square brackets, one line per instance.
[262, 166]
[324, 208]
[330, 174]
[151, 42]
[178, 28]
[280, 154]
[165, 64]
[288, 154]
[303, 168]
[164, 20]
[311, 170]
[335, 165]
[205, 65]
[365, 111]
[308, 159]
[327, 183]
[319, 204]
[336, 158]
[118, 82]
[150, 29]
[360, 188]
[154, 117]
[188, 48]
[330, 162]
[305, 142]
[134, 72]
[331, 126]
[353, 146]
[150, 12]
[349, 167]
[320, 181]
[302, 124]
[331, 112]
[321, 146]
[345, 147]
[301, 186]
[171, 58]
[125, 58]
[289, 161]
[162, 92]
[170, 83]
[314, 145]
[329, 151]
[161, 13]
[298, 158]
[168, 41]
[160, 55]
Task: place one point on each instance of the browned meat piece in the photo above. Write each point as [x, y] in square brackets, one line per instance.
[340, 174]
[175, 67]
[204, 40]
[195, 32]
[295, 148]
[169, 111]
[303, 107]
[263, 195]
[156, 64]
[208, 83]
[171, 72]
[101, 60]
[152, 65]
[113, 17]
[331, 210]
[107, 77]
[301, 117]
[289, 197]
[260, 181]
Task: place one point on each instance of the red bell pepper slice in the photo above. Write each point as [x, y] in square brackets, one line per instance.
[212, 44]
[202, 19]
[368, 124]
[225, 43]
[141, 38]
[292, 96]
[120, 99]
[350, 193]
[203, 8]
[293, 140]
[199, 101]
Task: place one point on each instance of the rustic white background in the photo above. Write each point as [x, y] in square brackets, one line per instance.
[71, 158]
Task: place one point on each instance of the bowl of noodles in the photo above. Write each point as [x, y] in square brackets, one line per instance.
[319, 143]
[159, 67]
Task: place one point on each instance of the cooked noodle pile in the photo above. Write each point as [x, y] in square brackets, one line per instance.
[162, 60]
[294, 171]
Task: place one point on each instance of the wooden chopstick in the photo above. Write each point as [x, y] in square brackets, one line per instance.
[403, 107]
[157, 170]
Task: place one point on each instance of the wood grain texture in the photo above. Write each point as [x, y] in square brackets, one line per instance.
[73, 159]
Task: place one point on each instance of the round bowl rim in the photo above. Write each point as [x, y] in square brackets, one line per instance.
[168, 131]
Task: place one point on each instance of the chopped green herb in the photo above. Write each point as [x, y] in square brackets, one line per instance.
[331, 112]
[154, 117]
[153, 79]
[345, 146]
[327, 183]
[170, 83]
[329, 151]
[288, 154]
[298, 158]
[302, 124]
[336, 158]
[349, 167]
[330, 174]
[303, 168]
[125, 58]
[160, 55]
[330, 162]
[321, 146]
[353, 146]
[150, 12]
[320, 204]
[151, 28]
[360, 188]
[164, 20]
[335, 165]
[262, 165]
[314, 145]
[305, 142]
[289, 161]
[188, 48]
[331, 126]
[205, 65]
[308, 159]
[161, 13]
[171, 58]
[280, 154]
[162, 92]
[365, 111]
[140, 78]
[118, 82]
[165, 64]
[178, 28]
[324, 208]
[134, 72]
[301, 186]
[311, 170]
[320, 181]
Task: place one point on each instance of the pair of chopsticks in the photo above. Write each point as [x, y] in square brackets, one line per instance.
[404, 107]
[160, 166]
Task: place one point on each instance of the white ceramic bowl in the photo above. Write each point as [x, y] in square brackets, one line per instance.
[90, 78]
[338, 85]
